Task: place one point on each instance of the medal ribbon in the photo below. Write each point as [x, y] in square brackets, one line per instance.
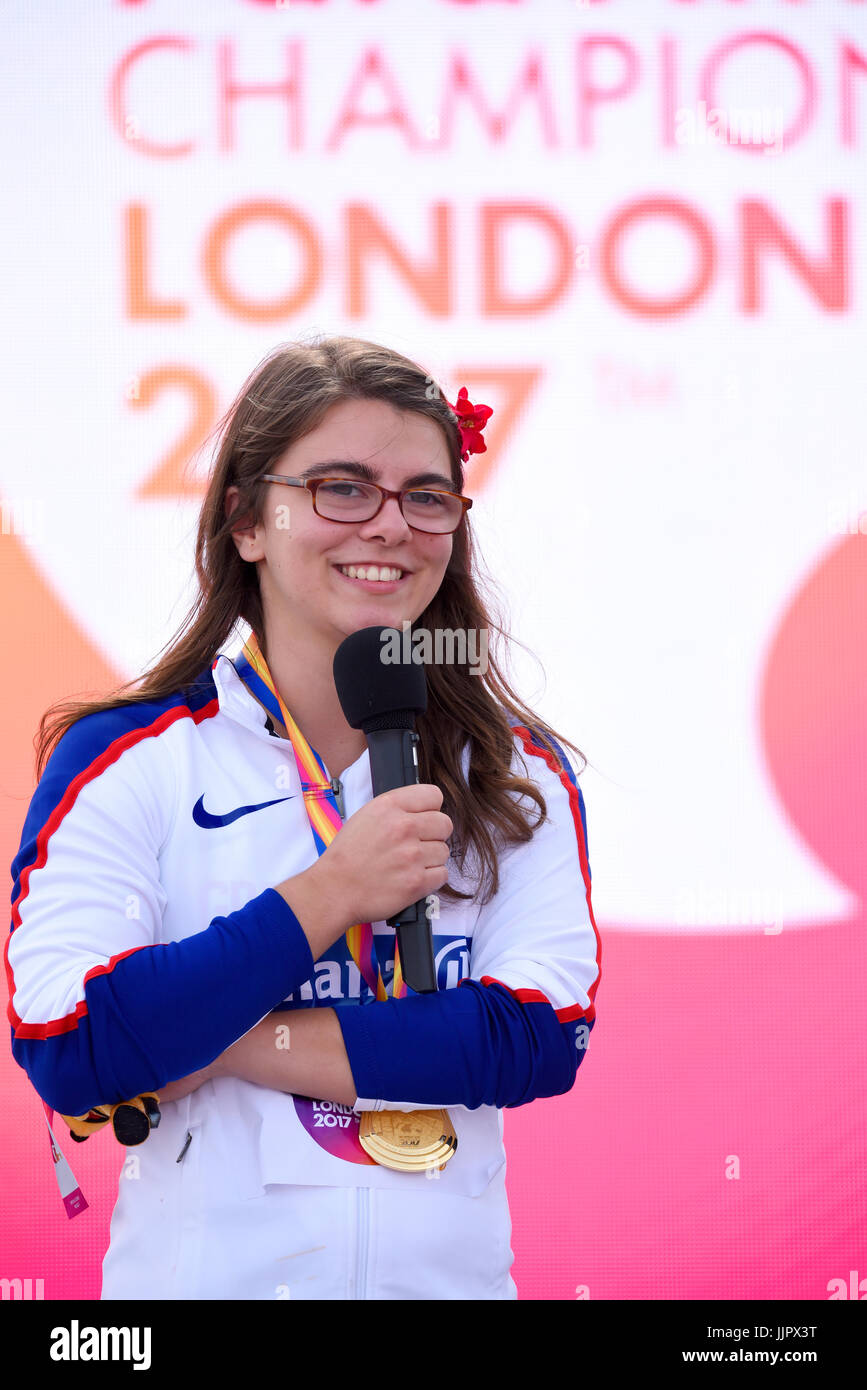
[320, 804]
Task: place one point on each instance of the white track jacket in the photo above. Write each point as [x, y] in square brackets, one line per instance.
[147, 937]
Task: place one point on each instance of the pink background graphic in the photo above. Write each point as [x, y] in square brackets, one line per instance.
[636, 229]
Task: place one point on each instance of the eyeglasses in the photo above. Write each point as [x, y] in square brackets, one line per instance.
[343, 499]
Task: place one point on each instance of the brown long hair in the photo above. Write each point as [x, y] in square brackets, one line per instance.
[287, 396]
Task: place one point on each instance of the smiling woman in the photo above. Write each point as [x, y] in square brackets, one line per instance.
[309, 604]
[335, 504]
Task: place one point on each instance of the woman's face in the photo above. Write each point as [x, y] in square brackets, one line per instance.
[304, 593]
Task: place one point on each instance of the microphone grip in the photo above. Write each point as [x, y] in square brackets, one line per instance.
[394, 763]
[415, 944]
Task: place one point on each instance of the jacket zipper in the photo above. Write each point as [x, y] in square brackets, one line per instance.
[362, 1241]
[363, 1197]
[338, 793]
[363, 1193]
[362, 1205]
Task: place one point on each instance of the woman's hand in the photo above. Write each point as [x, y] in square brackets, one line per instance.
[391, 852]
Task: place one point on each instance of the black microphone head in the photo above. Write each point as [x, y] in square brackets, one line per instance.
[375, 691]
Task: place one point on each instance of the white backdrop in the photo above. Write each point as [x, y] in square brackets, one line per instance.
[697, 464]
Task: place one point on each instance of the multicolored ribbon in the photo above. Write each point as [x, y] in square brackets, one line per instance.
[320, 804]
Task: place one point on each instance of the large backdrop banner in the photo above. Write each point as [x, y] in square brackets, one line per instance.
[636, 229]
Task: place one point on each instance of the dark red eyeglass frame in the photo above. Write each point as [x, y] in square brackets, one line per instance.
[312, 486]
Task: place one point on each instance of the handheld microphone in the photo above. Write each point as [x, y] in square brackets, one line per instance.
[383, 700]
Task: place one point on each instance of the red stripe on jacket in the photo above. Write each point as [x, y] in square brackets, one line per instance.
[530, 996]
[88, 774]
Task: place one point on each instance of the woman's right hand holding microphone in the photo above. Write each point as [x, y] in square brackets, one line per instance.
[389, 854]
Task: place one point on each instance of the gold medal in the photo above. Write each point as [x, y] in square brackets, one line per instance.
[408, 1141]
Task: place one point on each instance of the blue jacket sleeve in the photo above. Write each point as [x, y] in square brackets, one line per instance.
[474, 1045]
[164, 1011]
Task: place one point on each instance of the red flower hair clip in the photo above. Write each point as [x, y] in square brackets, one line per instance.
[471, 421]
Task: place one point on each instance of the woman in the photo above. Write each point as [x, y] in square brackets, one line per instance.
[185, 921]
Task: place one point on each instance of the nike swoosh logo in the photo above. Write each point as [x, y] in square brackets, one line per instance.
[209, 822]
